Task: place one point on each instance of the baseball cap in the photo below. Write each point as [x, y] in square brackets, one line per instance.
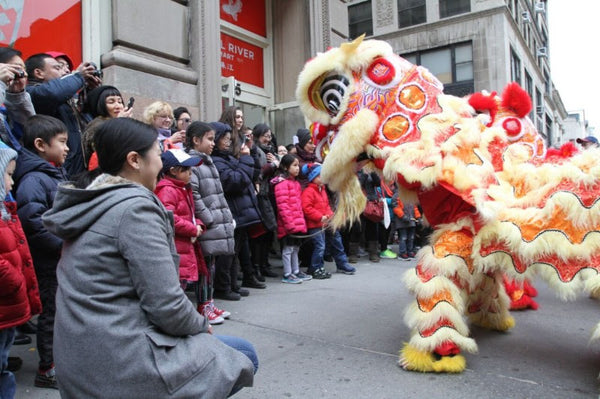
[178, 157]
[588, 139]
[56, 54]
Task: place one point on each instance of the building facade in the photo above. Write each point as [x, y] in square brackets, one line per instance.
[207, 54]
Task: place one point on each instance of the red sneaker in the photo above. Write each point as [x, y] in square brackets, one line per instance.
[207, 311]
[220, 312]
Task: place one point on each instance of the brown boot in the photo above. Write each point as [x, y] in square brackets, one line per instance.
[353, 252]
[373, 249]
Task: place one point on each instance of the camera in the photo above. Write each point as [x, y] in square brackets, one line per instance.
[20, 74]
[97, 72]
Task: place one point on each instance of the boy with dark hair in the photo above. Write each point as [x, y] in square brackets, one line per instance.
[38, 173]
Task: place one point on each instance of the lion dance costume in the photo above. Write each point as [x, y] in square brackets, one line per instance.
[501, 205]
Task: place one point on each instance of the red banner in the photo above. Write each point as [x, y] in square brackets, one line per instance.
[38, 26]
[242, 60]
[247, 14]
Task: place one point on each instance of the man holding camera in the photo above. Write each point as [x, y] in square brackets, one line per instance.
[17, 106]
[54, 93]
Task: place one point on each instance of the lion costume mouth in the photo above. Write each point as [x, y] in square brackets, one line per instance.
[339, 167]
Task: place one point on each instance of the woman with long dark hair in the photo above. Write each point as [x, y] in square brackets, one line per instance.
[234, 117]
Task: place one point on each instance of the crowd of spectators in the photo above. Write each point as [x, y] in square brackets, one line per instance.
[94, 252]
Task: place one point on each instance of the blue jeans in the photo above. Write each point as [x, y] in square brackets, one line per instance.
[243, 346]
[406, 238]
[8, 385]
[333, 241]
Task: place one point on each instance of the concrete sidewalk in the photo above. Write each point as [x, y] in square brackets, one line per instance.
[339, 338]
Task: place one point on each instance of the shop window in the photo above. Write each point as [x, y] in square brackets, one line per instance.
[411, 12]
[360, 19]
[449, 8]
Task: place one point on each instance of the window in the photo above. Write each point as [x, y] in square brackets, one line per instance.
[511, 7]
[549, 129]
[463, 58]
[449, 8]
[529, 89]
[411, 12]
[539, 111]
[515, 67]
[452, 65]
[360, 19]
[439, 62]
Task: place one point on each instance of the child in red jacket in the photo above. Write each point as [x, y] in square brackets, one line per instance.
[290, 219]
[175, 192]
[317, 212]
[16, 268]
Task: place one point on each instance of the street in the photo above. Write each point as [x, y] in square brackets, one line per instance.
[339, 338]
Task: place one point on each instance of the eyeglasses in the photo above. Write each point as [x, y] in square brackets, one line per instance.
[184, 120]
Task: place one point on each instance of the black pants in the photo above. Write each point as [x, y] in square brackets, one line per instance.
[45, 325]
[384, 237]
[242, 249]
[226, 270]
[227, 267]
[305, 254]
[260, 247]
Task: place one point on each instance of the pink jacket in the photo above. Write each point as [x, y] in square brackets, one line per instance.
[288, 195]
[177, 197]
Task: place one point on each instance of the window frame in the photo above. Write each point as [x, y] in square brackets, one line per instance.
[457, 86]
[443, 6]
[423, 4]
[515, 67]
[350, 25]
[529, 90]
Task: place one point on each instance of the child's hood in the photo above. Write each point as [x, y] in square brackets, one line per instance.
[276, 180]
[7, 154]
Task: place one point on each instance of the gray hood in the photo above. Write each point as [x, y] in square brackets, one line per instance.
[76, 210]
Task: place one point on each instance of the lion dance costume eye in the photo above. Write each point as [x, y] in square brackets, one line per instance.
[333, 90]
[501, 205]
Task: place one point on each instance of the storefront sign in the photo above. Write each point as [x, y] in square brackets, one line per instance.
[242, 60]
[247, 14]
[37, 26]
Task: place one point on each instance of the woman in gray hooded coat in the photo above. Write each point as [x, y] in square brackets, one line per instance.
[124, 327]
